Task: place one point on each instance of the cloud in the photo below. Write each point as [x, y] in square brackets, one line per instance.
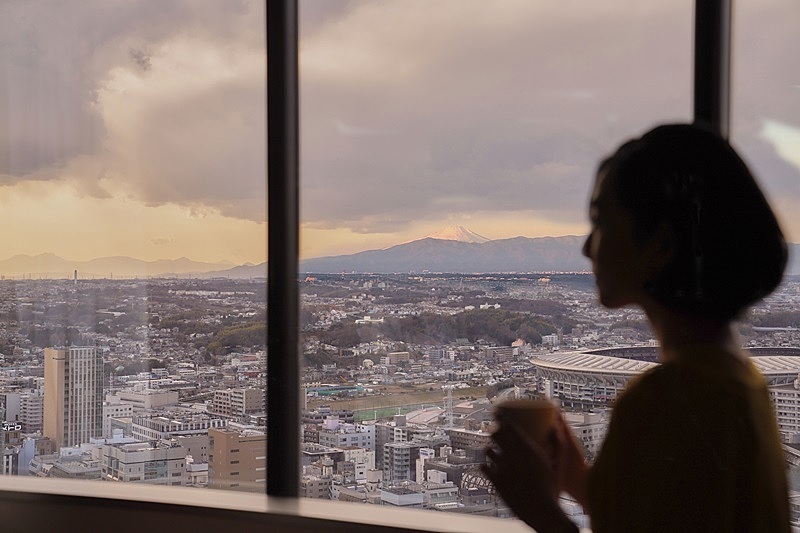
[166, 99]
[411, 110]
[498, 106]
[140, 58]
[507, 106]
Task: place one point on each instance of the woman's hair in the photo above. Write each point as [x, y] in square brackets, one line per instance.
[728, 249]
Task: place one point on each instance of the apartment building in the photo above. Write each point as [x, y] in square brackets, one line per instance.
[73, 394]
[238, 403]
[237, 458]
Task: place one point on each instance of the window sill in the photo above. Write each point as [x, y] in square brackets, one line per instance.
[32, 504]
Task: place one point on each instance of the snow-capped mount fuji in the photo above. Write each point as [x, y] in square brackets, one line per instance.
[457, 233]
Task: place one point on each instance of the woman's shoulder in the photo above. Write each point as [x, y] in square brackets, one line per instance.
[715, 384]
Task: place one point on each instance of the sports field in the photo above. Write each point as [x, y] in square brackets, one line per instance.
[390, 398]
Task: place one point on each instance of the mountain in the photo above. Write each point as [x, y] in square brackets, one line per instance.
[519, 254]
[457, 233]
[246, 271]
[52, 266]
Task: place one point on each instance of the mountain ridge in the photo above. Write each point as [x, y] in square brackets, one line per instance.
[51, 265]
[514, 254]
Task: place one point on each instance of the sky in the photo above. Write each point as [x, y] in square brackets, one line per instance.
[137, 127]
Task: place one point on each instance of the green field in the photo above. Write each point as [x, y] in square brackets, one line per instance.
[387, 404]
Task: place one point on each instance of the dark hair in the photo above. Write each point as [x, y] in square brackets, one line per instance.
[728, 249]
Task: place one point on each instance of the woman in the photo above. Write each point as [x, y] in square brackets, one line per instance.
[681, 229]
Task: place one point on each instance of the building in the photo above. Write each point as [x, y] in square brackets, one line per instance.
[196, 473]
[318, 415]
[10, 401]
[161, 464]
[114, 408]
[337, 435]
[73, 394]
[238, 403]
[152, 428]
[69, 463]
[237, 458]
[396, 430]
[590, 429]
[362, 461]
[786, 401]
[196, 446]
[318, 487]
[31, 410]
[147, 398]
[399, 462]
[472, 441]
[311, 453]
[402, 497]
[498, 354]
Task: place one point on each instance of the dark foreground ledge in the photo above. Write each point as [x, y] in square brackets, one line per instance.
[33, 504]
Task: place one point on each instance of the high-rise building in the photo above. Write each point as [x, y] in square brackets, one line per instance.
[73, 394]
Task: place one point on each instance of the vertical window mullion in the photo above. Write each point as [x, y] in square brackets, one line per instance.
[283, 365]
[712, 59]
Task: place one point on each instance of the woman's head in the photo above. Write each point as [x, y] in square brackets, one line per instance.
[686, 192]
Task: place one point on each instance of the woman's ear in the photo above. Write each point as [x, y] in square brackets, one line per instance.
[658, 251]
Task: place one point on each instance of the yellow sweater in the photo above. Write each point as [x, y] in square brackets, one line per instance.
[692, 446]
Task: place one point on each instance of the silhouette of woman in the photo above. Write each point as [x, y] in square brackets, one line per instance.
[681, 229]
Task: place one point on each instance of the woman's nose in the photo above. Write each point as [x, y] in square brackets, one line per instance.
[587, 244]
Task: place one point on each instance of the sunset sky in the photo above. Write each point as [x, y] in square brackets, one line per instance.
[137, 127]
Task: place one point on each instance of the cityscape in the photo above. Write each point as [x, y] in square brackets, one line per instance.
[162, 380]
[132, 283]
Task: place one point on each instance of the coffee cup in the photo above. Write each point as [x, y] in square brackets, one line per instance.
[536, 418]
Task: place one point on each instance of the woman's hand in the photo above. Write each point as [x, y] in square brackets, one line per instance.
[526, 478]
[568, 463]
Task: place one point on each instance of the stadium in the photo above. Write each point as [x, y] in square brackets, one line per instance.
[593, 378]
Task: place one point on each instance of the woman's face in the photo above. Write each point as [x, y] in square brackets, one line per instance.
[617, 261]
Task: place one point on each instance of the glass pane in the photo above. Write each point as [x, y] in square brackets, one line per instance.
[766, 128]
[132, 317]
[487, 119]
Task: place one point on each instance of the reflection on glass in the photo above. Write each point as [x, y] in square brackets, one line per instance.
[132, 279]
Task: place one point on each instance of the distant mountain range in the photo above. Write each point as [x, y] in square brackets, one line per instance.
[454, 249]
[52, 266]
[457, 249]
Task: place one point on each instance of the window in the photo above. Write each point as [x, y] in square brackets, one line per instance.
[491, 116]
[765, 120]
[71, 183]
[122, 125]
[765, 126]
